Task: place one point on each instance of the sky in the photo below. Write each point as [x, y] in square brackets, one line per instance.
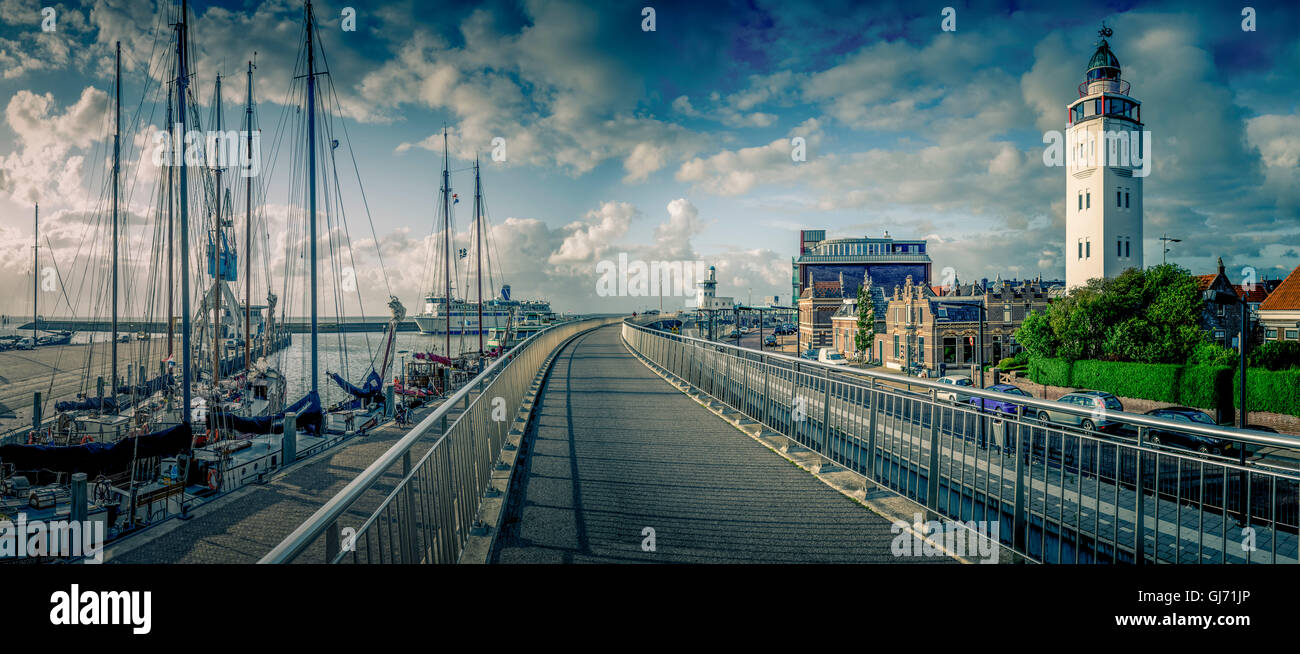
[671, 144]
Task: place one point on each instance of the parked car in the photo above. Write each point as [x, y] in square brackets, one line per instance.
[809, 354]
[770, 341]
[831, 356]
[1202, 444]
[954, 380]
[1001, 406]
[1091, 415]
[26, 344]
[735, 333]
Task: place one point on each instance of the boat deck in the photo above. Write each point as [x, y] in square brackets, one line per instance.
[243, 525]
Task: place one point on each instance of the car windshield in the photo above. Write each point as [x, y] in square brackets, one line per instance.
[1197, 416]
[835, 355]
[962, 382]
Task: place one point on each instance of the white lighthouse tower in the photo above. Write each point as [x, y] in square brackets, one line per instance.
[1104, 170]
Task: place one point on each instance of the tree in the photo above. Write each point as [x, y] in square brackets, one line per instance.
[866, 334]
[1148, 316]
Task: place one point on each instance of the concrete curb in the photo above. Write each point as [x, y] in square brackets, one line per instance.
[876, 498]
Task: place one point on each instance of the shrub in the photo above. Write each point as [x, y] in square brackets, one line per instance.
[1275, 355]
[1205, 386]
[1213, 354]
[1007, 363]
[1276, 391]
[1151, 381]
[1053, 372]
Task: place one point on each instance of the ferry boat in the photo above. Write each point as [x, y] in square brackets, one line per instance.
[526, 323]
[465, 314]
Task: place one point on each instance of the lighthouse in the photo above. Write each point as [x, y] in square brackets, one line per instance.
[1105, 164]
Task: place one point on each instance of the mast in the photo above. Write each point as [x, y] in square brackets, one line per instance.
[171, 244]
[248, 233]
[218, 237]
[117, 137]
[36, 264]
[182, 81]
[478, 250]
[311, 185]
[446, 231]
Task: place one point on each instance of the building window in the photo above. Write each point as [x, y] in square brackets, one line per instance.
[1126, 250]
[1080, 248]
[1119, 247]
[1125, 199]
[1087, 249]
[1087, 200]
[1270, 334]
[1080, 202]
[1293, 334]
[920, 348]
[1118, 199]
[1219, 309]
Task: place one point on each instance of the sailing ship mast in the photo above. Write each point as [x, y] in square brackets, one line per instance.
[182, 81]
[311, 185]
[117, 136]
[446, 231]
[218, 236]
[171, 244]
[248, 231]
[36, 264]
[478, 251]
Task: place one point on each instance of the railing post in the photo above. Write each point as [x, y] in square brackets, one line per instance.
[932, 474]
[1139, 520]
[407, 530]
[1019, 519]
[871, 429]
[826, 415]
[331, 542]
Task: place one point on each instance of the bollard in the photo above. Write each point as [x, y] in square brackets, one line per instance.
[289, 442]
[77, 512]
[36, 411]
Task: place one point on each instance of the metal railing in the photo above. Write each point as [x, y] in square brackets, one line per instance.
[412, 507]
[1055, 493]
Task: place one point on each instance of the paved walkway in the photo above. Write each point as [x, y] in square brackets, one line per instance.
[245, 525]
[615, 450]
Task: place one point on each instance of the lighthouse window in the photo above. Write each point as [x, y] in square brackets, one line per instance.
[1126, 242]
[1087, 201]
[1080, 202]
[1118, 199]
[1080, 248]
[1087, 248]
[1119, 247]
[1125, 199]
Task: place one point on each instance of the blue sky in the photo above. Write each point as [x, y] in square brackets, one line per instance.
[674, 144]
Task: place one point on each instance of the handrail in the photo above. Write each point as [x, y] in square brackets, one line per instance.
[1228, 433]
[306, 533]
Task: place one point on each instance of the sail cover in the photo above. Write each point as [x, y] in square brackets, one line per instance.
[308, 421]
[371, 389]
[91, 403]
[97, 458]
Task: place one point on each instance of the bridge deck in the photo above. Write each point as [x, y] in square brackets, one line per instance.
[615, 449]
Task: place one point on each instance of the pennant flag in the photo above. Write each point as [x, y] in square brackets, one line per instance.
[455, 198]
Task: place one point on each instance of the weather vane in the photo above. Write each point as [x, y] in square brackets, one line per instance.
[1105, 31]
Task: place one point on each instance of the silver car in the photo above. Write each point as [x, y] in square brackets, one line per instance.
[954, 380]
[1094, 408]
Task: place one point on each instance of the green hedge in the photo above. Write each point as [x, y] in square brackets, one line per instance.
[1203, 386]
[1276, 391]
[1207, 387]
[1053, 372]
[1152, 381]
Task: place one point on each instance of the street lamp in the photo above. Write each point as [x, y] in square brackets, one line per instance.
[1164, 246]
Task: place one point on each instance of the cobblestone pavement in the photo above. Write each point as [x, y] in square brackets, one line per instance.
[615, 452]
[245, 525]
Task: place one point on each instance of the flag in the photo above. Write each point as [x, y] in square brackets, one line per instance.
[464, 253]
[455, 198]
[334, 144]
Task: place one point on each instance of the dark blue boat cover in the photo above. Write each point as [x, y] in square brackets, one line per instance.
[97, 458]
[309, 418]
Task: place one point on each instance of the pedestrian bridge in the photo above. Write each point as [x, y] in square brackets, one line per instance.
[607, 441]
